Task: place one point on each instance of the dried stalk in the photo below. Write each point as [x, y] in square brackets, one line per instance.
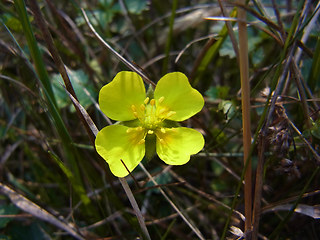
[246, 124]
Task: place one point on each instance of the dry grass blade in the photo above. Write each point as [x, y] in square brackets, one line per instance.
[26, 205]
[204, 194]
[230, 31]
[246, 121]
[122, 59]
[57, 59]
[194, 228]
[135, 207]
[307, 32]
[311, 211]
[84, 113]
[8, 151]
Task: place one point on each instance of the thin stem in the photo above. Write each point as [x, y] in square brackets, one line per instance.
[57, 60]
[169, 38]
[246, 124]
[135, 207]
[122, 59]
[194, 228]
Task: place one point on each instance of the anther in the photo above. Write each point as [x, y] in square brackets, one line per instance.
[161, 99]
[142, 107]
[170, 114]
[133, 108]
[129, 130]
[163, 130]
[161, 141]
[150, 132]
[173, 130]
[152, 102]
[142, 141]
[139, 128]
[135, 114]
[146, 100]
[162, 110]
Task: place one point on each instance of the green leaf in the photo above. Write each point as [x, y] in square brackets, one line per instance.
[97, 17]
[81, 85]
[133, 6]
[12, 22]
[7, 210]
[25, 231]
[218, 92]
[4, 237]
[315, 130]
[228, 108]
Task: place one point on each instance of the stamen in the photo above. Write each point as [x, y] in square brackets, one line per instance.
[173, 130]
[152, 102]
[142, 107]
[142, 141]
[146, 100]
[163, 130]
[161, 141]
[135, 114]
[129, 130]
[161, 99]
[170, 114]
[133, 108]
[162, 110]
[139, 128]
[150, 132]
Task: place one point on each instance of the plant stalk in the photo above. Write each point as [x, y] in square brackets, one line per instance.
[246, 124]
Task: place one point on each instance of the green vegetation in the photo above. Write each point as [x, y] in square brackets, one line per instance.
[55, 56]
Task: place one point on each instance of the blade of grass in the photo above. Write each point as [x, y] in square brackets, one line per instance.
[34, 50]
[193, 228]
[169, 38]
[230, 31]
[276, 86]
[57, 59]
[261, 127]
[246, 119]
[28, 206]
[135, 207]
[122, 59]
[290, 213]
[68, 148]
[314, 75]
[208, 54]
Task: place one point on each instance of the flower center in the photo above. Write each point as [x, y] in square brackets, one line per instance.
[151, 115]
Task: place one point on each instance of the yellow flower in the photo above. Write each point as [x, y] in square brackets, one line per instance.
[148, 121]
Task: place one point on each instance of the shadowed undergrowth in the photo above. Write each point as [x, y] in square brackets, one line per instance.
[56, 55]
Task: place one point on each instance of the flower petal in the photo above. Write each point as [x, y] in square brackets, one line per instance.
[115, 143]
[117, 97]
[177, 144]
[178, 96]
